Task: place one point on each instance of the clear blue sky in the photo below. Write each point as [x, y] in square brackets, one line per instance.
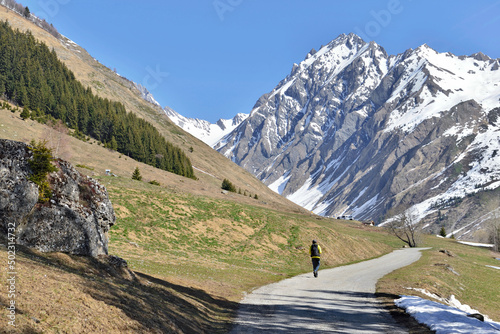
[212, 59]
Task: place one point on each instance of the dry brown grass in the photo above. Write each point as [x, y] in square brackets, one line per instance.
[58, 293]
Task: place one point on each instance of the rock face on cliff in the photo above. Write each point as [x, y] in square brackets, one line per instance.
[75, 220]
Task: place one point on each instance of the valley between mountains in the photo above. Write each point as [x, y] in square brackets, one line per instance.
[351, 131]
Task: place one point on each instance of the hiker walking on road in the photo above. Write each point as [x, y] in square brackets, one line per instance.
[315, 252]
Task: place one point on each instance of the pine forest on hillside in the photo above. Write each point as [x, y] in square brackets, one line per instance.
[32, 77]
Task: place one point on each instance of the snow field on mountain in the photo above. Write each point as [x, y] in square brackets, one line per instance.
[460, 79]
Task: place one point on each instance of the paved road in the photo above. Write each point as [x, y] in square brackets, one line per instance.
[340, 300]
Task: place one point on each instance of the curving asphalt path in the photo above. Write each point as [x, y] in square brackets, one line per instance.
[340, 300]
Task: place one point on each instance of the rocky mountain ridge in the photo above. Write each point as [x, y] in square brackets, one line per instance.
[353, 130]
[146, 95]
[209, 133]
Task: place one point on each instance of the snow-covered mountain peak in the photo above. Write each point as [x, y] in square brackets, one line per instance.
[480, 56]
[344, 47]
[424, 47]
[230, 124]
[350, 40]
[354, 130]
[204, 130]
[328, 61]
[442, 80]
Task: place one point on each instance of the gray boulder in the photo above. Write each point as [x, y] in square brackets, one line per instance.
[77, 218]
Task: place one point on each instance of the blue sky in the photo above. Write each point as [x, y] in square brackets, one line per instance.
[212, 59]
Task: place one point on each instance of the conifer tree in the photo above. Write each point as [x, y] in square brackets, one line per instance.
[26, 12]
[227, 185]
[25, 114]
[41, 166]
[136, 175]
[113, 144]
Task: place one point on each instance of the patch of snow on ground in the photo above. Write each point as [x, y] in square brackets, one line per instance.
[200, 170]
[445, 319]
[476, 244]
[494, 267]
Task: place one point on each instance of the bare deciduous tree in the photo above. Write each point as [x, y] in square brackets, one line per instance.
[495, 234]
[56, 138]
[405, 227]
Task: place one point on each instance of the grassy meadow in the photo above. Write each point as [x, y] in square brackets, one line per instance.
[225, 246]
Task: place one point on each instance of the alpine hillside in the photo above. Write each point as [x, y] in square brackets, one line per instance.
[353, 130]
[210, 168]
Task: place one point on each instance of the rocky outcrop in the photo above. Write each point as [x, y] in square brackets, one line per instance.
[75, 220]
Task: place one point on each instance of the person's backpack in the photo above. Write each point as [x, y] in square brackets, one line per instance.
[314, 250]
